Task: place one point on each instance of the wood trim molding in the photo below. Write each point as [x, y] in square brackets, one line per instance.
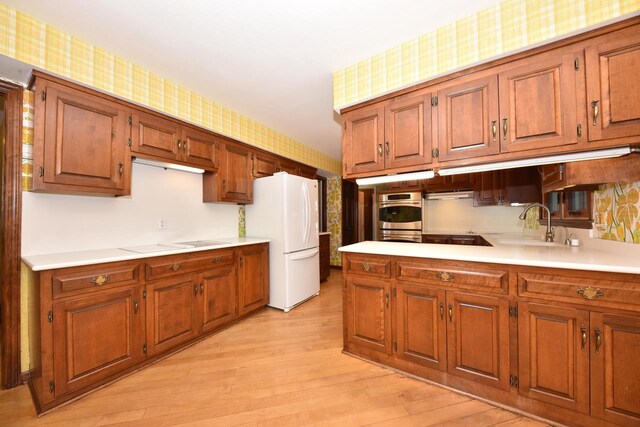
[11, 217]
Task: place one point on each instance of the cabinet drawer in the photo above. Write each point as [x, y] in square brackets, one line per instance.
[78, 280]
[369, 265]
[580, 289]
[168, 266]
[444, 273]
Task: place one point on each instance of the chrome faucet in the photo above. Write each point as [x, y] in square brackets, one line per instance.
[550, 234]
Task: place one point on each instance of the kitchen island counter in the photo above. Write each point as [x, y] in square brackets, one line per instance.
[535, 253]
[97, 256]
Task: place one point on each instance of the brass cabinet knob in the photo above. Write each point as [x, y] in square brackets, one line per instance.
[101, 280]
[366, 266]
[590, 293]
[217, 260]
[444, 276]
[176, 266]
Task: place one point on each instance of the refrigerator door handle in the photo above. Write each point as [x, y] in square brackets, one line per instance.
[307, 214]
[299, 257]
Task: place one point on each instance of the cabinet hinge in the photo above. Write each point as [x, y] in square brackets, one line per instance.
[395, 346]
[435, 153]
[576, 64]
[513, 381]
[513, 311]
[43, 95]
[579, 129]
[50, 316]
[144, 349]
[144, 294]
[434, 101]
[394, 292]
[41, 171]
[52, 387]
[345, 125]
[129, 119]
[128, 142]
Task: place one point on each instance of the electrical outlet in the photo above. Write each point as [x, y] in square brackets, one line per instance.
[162, 223]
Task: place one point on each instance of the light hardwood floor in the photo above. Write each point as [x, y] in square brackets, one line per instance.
[272, 369]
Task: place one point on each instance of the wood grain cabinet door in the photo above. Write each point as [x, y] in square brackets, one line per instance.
[156, 136]
[253, 279]
[613, 96]
[171, 312]
[408, 132]
[363, 140]
[478, 338]
[95, 337]
[615, 368]
[235, 175]
[553, 349]
[263, 165]
[421, 325]
[488, 188]
[199, 148]
[369, 314]
[79, 141]
[218, 293]
[467, 114]
[538, 103]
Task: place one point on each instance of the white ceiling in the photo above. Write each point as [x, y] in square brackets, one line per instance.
[271, 61]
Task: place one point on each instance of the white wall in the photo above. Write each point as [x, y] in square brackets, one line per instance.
[64, 223]
[461, 216]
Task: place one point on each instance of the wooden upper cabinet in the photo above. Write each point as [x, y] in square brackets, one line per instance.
[233, 182]
[488, 188]
[478, 338]
[263, 165]
[408, 132]
[200, 148]
[96, 336]
[79, 141]
[553, 349]
[615, 370]
[369, 314]
[613, 94]
[538, 102]
[253, 278]
[155, 136]
[363, 140]
[468, 119]
[421, 326]
[288, 166]
[307, 171]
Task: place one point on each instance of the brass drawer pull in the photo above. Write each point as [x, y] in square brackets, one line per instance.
[380, 150]
[450, 313]
[590, 293]
[366, 266]
[441, 311]
[596, 111]
[135, 306]
[505, 127]
[176, 266]
[217, 260]
[101, 280]
[444, 276]
[494, 129]
[598, 335]
[386, 299]
[583, 331]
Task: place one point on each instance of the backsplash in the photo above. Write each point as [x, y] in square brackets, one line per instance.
[242, 222]
[334, 217]
[616, 212]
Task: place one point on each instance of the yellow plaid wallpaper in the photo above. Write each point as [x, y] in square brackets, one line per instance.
[29, 40]
[498, 30]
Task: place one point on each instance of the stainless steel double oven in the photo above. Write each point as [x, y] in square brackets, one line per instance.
[400, 217]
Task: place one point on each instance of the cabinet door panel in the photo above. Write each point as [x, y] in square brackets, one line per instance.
[466, 112]
[611, 90]
[478, 338]
[363, 140]
[487, 189]
[236, 181]
[554, 355]
[218, 297]
[83, 140]
[200, 148]
[263, 165]
[369, 318]
[253, 279]
[615, 370]
[96, 337]
[171, 313]
[155, 136]
[538, 101]
[421, 329]
[408, 132]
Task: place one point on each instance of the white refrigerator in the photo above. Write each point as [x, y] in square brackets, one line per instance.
[285, 210]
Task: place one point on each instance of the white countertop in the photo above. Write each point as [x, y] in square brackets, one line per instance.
[74, 259]
[558, 256]
[324, 232]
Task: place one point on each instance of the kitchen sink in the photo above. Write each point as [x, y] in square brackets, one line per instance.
[200, 243]
[527, 242]
[147, 249]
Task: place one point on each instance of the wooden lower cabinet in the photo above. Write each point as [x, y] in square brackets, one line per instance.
[369, 314]
[95, 337]
[553, 351]
[615, 368]
[535, 343]
[98, 322]
[171, 313]
[421, 328]
[478, 338]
